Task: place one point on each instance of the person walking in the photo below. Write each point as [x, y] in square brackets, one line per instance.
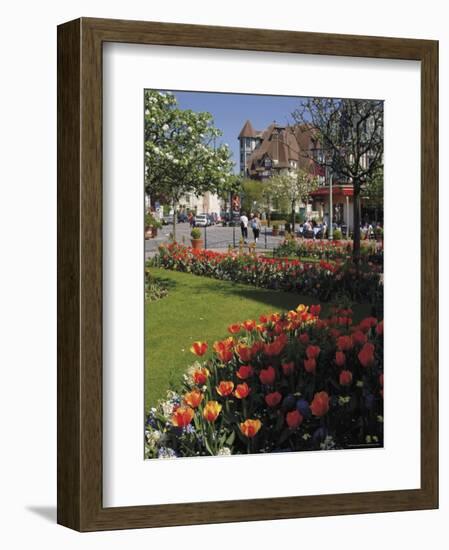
[244, 227]
[255, 226]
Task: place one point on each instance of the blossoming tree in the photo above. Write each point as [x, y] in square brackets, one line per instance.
[294, 187]
[349, 135]
[181, 155]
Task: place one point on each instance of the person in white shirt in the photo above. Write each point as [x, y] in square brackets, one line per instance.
[244, 226]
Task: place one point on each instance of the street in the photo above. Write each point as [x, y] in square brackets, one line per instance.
[216, 237]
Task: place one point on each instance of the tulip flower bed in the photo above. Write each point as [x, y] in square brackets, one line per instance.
[287, 382]
[322, 280]
[370, 251]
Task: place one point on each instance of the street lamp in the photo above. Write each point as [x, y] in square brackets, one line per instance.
[330, 177]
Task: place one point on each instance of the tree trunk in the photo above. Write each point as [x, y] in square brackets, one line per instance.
[174, 221]
[356, 217]
[293, 217]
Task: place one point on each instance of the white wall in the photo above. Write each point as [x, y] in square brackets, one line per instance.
[28, 272]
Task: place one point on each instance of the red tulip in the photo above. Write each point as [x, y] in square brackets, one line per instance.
[359, 337]
[273, 399]
[182, 417]
[249, 325]
[199, 348]
[225, 388]
[312, 352]
[344, 343]
[304, 338]
[367, 323]
[234, 329]
[380, 328]
[267, 376]
[345, 377]
[340, 358]
[310, 365]
[288, 368]
[244, 372]
[366, 355]
[245, 352]
[294, 419]
[242, 391]
[200, 376]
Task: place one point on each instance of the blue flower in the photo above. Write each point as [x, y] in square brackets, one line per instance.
[302, 406]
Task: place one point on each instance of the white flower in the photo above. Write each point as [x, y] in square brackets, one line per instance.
[167, 408]
[165, 127]
[175, 161]
[147, 111]
[225, 451]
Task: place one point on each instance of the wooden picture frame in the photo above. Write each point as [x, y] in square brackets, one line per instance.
[80, 351]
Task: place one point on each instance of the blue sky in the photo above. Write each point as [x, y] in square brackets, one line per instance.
[230, 112]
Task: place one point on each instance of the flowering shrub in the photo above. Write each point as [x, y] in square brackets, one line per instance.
[370, 251]
[317, 279]
[287, 382]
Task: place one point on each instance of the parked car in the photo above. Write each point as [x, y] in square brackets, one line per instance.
[202, 220]
[182, 217]
[167, 220]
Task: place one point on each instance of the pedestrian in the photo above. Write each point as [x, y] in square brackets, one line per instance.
[244, 227]
[255, 226]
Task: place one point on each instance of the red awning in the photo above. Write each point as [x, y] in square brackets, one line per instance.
[336, 190]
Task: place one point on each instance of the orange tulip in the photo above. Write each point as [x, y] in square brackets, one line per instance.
[225, 388]
[199, 348]
[193, 398]
[245, 352]
[200, 376]
[182, 417]
[224, 349]
[250, 427]
[320, 403]
[211, 411]
[249, 325]
[242, 391]
[234, 329]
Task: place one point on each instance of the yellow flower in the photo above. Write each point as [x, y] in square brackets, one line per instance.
[250, 427]
[211, 411]
[193, 398]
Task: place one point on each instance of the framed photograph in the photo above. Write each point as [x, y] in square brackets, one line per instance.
[247, 274]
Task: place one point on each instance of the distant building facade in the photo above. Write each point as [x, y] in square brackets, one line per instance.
[282, 149]
[277, 149]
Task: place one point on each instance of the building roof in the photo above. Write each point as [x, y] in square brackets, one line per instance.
[282, 144]
[248, 130]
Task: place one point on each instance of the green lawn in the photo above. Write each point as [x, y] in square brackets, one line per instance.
[199, 308]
